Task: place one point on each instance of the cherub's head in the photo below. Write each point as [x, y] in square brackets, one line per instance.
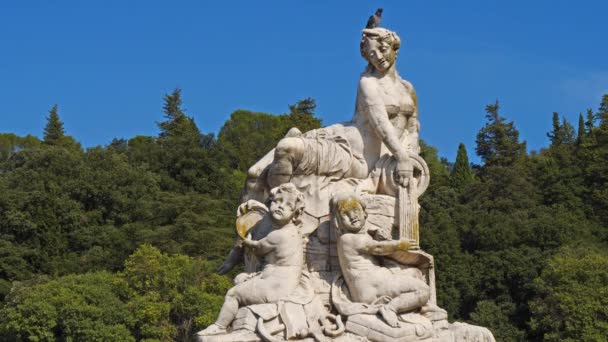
[379, 47]
[348, 212]
[286, 205]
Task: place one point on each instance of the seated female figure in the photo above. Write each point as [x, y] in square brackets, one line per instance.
[386, 111]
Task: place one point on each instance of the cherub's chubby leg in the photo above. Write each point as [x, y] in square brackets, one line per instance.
[229, 308]
[227, 313]
[288, 152]
[240, 295]
[409, 294]
[226, 316]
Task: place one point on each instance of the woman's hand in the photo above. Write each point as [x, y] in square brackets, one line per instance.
[403, 172]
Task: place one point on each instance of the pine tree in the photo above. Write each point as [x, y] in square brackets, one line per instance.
[301, 115]
[602, 116]
[182, 146]
[595, 166]
[567, 132]
[179, 130]
[590, 124]
[602, 128]
[555, 135]
[53, 131]
[174, 114]
[603, 109]
[462, 174]
[562, 133]
[306, 106]
[498, 141]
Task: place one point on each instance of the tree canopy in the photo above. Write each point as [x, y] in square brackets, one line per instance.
[121, 242]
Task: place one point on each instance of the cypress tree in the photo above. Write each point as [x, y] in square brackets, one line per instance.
[53, 131]
[581, 135]
[590, 124]
[462, 174]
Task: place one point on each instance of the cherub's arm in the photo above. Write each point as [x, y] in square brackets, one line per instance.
[386, 247]
[260, 247]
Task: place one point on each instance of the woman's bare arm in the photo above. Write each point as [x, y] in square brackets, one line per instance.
[374, 109]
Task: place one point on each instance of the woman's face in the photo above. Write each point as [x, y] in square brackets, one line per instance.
[379, 54]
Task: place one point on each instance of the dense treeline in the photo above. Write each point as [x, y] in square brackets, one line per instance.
[121, 242]
[520, 244]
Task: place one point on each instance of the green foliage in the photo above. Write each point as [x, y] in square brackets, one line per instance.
[181, 148]
[301, 115]
[496, 318]
[603, 109]
[158, 212]
[498, 141]
[11, 144]
[581, 135]
[86, 307]
[157, 297]
[248, 136]
[494, 235]
[562, 133]
[462, 174]
[571, 301]
[172, 295]
[306, 106]
[437, 168]
[54, 134]
[53, 131]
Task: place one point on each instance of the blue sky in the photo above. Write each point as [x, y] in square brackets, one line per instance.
[107, 64]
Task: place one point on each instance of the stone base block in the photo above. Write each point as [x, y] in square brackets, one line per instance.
[376, 330]
[235, 336]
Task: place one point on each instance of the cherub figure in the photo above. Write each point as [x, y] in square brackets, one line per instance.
[283, 255]
[368, 281]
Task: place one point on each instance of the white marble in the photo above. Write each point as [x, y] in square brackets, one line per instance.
[283, 260]
[336, 256]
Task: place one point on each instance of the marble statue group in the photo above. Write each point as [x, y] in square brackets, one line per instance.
[328, 228]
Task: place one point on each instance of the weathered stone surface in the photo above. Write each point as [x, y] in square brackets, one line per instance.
[336, 257]
[417, 328]
[461, 332]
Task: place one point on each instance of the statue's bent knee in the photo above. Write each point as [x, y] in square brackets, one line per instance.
[254, 172]
[288, 147]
